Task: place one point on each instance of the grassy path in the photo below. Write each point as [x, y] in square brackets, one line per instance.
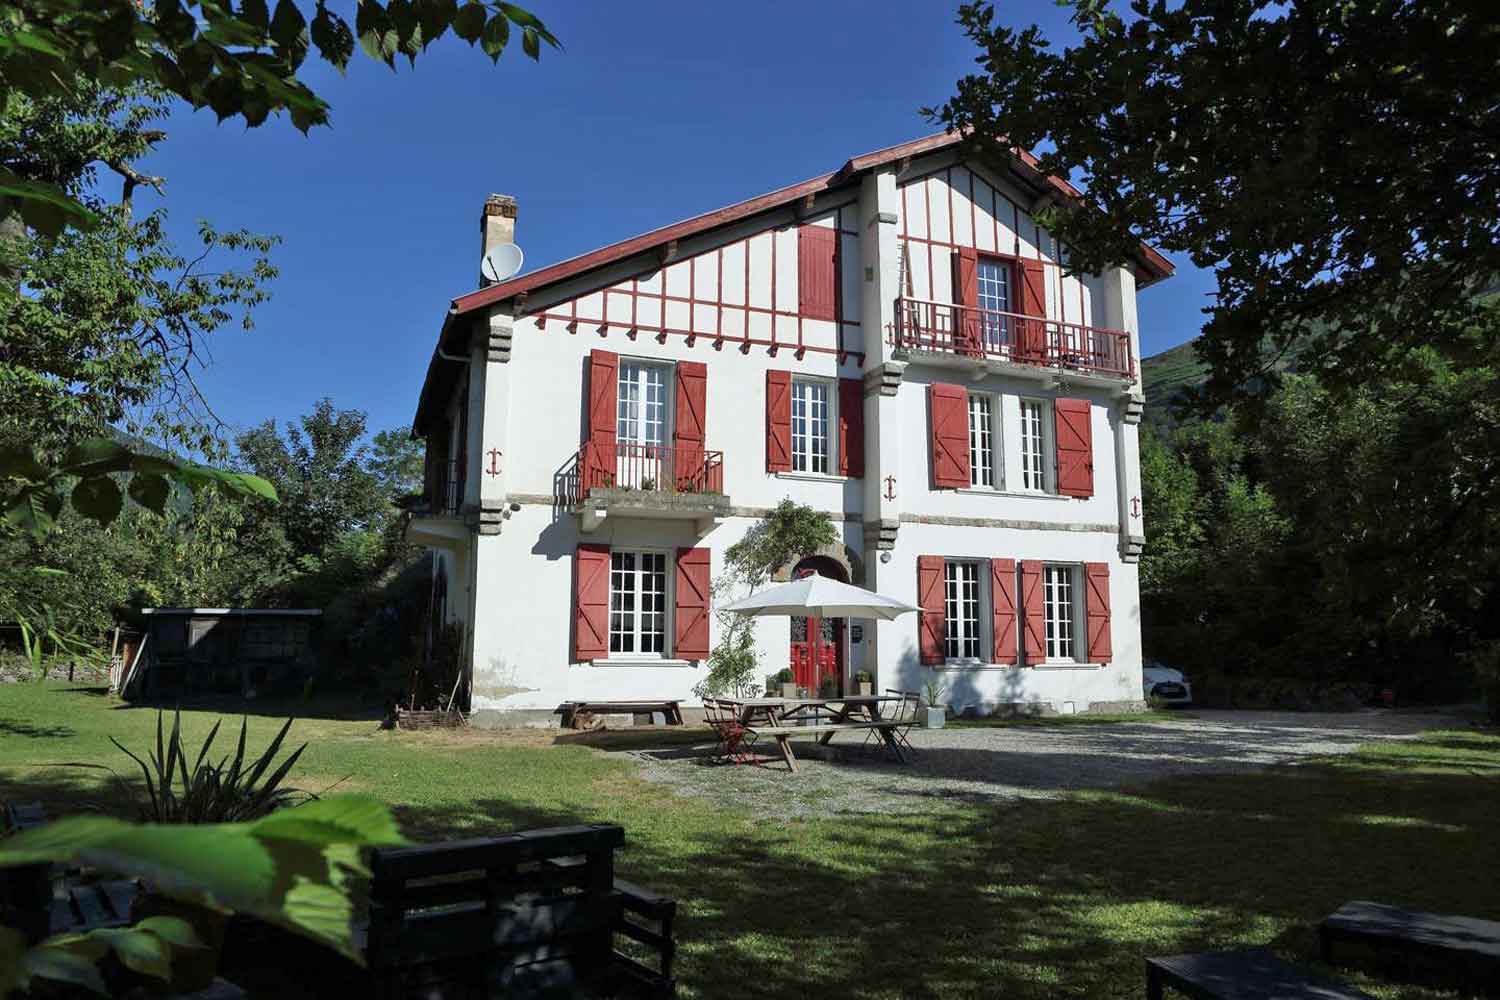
[1039, 899]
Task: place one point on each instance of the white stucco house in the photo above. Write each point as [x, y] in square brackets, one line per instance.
[895, 343]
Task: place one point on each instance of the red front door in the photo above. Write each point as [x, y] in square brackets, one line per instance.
[817, 651]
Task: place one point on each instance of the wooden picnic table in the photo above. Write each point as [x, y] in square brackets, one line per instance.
[782, 718]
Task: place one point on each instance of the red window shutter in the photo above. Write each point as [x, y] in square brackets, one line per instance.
[590, 602]
[598, 464]
[930, 600]
[852, 427]
[690, 640]
[778, 421]
[1075, 447]
[1003, 595]
[689, 431]
[966, 293]
[1034, 622]
[1033, 338]
[1096, 601]
[817, 275]
[950, 434]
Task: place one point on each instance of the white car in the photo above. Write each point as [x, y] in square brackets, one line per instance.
[1165, 684]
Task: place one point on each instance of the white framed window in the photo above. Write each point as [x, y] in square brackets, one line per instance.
[643, 423]
[642, 407]
[812, 426]
[637, 602]
[985, 464]
[993, 277]
[963, 625]
[1036, 446]
[1061, 607]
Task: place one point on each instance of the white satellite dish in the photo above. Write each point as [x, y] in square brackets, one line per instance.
[500, 262]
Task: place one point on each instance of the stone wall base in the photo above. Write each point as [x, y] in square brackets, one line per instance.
[514, 718]
[1022, 709]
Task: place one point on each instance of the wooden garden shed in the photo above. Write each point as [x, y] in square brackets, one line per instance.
[249, 651]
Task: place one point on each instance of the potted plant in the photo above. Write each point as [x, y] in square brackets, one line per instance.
[864, 682]
[828, 687]
[788, 682]
[935, 713]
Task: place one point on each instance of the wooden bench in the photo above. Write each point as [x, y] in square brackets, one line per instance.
[528, 914]
[783, 734]
[1464, 948]
[1256, 974]
[574, 713]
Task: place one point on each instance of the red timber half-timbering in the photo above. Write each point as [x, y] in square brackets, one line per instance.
[1096, 607]
[590, 602]
[852, 427]
[930, 618]
[690, 424]
[953, 208]
[1003, 599]
[1075, 447]
[778, 421]
[949, 411]
[782, 288]
[597, 466]
[690, 632]
[817, 272]
[1033, 615]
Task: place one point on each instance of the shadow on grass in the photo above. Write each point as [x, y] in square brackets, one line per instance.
[11, 727]
[337, 708]
[1048, 898]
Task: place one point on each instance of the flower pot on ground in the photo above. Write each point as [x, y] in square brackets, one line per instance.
[864, 682]
[935, 712]
[789, 690]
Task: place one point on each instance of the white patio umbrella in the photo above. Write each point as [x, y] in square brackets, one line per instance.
[819, 597]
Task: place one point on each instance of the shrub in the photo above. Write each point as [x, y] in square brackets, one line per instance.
[226, 792]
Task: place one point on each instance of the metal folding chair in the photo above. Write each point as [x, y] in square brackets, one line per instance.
[903, 713]
[735, 741]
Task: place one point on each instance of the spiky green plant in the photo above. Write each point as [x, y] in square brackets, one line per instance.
[226, 792]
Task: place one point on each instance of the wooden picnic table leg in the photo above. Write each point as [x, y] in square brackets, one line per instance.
[785, 742]
[842, 715]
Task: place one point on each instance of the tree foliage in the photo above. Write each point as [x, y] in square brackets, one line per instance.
[1338, 536]
[241, 60]
[1333, 161]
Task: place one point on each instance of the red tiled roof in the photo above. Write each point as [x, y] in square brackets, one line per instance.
[1153, 266]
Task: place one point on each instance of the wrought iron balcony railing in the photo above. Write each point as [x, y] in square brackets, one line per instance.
[649, 468]
[1029, 340]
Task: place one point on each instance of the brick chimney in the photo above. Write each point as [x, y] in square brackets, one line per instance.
[497, 225]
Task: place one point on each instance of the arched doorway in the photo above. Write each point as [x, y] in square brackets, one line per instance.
[817, 649]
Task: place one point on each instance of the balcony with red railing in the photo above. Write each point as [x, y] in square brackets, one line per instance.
[626, 479]
[1032, 341]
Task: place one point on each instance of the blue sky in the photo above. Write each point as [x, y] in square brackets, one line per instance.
[653, 112]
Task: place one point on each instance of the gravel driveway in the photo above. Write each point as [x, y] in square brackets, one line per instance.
[976, 763]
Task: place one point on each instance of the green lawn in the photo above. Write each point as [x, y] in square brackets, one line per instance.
[1041, 899]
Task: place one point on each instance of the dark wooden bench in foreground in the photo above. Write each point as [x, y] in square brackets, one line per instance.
[1256, 974]
[575, 713]
[1464, 948]
[525, 915]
